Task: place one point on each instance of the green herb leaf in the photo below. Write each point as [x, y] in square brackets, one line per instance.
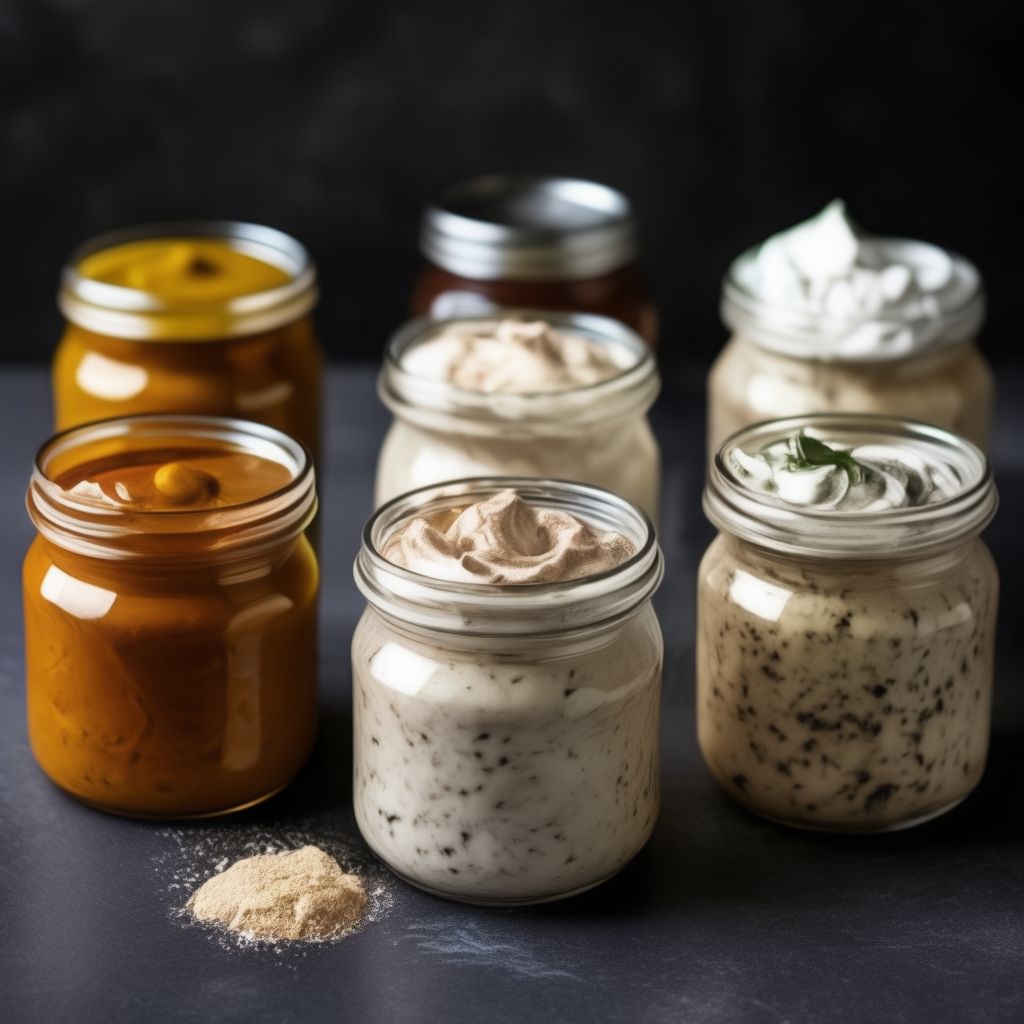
[810, 452]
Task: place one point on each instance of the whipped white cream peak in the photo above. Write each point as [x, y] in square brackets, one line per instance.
[867, 296]
[516, 357]
[503, 540]
[813, 474]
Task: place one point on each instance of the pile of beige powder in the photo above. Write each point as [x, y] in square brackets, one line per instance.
[301, 894]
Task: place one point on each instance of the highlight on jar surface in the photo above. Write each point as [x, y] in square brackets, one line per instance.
[506, 241]
[559, 396]
[826, 318]
[205, 317]
[507, 682]
[846, 621]
[170, 613]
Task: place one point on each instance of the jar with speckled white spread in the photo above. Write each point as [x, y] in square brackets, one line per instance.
[846, 621]
[507, 736]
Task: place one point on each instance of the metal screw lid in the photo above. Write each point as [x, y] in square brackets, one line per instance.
[519, 227]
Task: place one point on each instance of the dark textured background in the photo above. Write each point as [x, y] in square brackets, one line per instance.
[335, 120]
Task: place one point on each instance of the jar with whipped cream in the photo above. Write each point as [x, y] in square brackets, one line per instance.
[555, 395]
[203, 317]
[828, 319]
[509, 241]
[507, 680]
[846, 621]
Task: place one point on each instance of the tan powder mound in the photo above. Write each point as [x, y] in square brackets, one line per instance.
[302, 894]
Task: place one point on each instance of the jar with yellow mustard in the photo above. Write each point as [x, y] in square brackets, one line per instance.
[207, 317]
[170, 613]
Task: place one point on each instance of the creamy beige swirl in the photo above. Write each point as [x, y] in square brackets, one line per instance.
[503, 540]
[515, 357]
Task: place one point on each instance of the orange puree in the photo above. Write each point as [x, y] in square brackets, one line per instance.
[176, 677]
[183, 270]
[215, 325]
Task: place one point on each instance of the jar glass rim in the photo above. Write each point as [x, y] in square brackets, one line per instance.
[525, 609]
[86, 528]
[139, 315]
[766, 520]
[441, 405]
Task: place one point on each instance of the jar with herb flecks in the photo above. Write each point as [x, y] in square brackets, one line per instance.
[506, 688]
[846, 621]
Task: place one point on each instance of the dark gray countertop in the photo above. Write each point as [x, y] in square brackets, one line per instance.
[722, 918]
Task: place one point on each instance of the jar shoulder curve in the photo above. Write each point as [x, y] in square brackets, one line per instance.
[273, 378]
[726, 556]
[952, 388]
[625, 460]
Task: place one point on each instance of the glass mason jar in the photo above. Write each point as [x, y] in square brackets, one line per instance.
[520, 242]
[845, 659]
[596, 434]
[781, 362]
[507, 737]
[206, 344]
[170, 655]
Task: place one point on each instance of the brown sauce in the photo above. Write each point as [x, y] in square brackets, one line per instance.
[171, 687]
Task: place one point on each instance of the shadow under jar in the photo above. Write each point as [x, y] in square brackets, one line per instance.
[205, 317]
[507, 737]
[596, 434]
[522, 242]
[845, 656]
[811, 348]
[170, 614]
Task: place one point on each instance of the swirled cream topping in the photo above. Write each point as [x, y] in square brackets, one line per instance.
[870, 296]
[514, 356]
[503, 540]
[810, 473]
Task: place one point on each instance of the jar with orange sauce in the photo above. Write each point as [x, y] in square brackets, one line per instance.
[206, 317]
[170, 613]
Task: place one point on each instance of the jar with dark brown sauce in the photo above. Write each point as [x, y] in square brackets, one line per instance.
[170, 614]
[509, 241]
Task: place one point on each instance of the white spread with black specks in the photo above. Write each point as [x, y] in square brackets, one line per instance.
[848, 698]
[491, 778]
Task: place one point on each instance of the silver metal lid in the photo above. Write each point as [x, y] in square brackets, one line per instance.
[526, 228]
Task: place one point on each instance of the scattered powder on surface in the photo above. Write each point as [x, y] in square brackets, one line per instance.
[301, 894]
[503, 540]
[515, 357]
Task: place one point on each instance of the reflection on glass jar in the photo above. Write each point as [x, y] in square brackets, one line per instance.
[846, 622]
[202, 317]
[520, 242]
[170, 613]
[506, 736]
[826, 319]
[596, 433]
